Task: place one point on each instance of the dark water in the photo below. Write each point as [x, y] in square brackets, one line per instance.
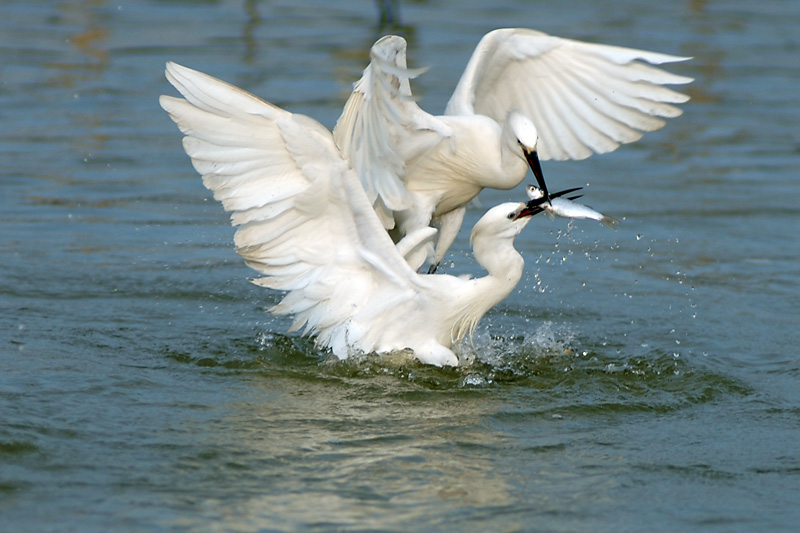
[644, 379]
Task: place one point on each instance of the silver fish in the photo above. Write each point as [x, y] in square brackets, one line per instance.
[534, 192]
[563, 207]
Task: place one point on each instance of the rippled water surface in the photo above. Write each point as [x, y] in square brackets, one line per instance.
[643, 379]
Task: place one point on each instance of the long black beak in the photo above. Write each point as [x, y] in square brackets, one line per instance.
[533, 160]
[534, 207]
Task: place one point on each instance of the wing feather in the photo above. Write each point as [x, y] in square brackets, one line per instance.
[584, 98]
[379, 128]
[304, 220]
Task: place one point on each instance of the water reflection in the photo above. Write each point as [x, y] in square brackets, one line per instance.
[252, 23]
[262, 39]
[351, 451]
[88, 35]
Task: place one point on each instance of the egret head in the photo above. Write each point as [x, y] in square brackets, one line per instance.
[504, 221]
[524, 130]
[528, 139]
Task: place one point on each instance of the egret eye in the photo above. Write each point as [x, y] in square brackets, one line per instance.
[512, 215]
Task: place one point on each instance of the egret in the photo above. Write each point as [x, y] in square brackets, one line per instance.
[524, 96]
[306, 224]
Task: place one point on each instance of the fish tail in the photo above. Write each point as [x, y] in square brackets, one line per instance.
[611, 222]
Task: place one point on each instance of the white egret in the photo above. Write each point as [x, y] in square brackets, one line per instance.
[306, 224]
[524, 96]
[568, 208]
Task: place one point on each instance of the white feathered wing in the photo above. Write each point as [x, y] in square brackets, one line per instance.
[584, 98]
[304, 220]
[381, 128]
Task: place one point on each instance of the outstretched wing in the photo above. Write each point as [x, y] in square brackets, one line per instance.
[381, 127]
[304, 220]
[583, 98]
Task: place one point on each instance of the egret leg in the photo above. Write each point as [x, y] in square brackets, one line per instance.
[449, 224]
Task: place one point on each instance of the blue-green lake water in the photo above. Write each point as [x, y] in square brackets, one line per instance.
[646, 379]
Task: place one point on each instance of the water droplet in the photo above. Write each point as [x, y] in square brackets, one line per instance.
[473, 380]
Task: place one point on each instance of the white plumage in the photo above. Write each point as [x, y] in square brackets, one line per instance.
[523, 92]
[307, 225]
